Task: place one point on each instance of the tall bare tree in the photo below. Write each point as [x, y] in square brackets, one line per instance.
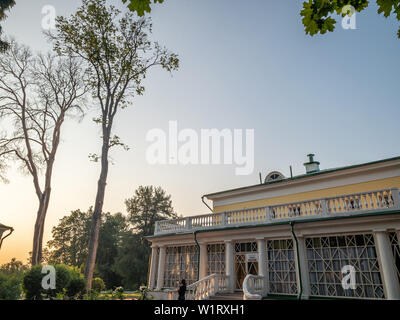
[37, 93]
[118, 52]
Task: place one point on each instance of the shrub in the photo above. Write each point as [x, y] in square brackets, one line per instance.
[119, 293]
[69, 283]
[32, 283]
[93, 295]
[10, 287]
[143, 293]
[63, 278]
[98, 285]
[76, 286]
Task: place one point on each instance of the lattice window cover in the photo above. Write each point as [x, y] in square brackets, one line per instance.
[281, 267]
[394, 241]
[326, 256]
[246, 247]
[181, 262]
[216, 258]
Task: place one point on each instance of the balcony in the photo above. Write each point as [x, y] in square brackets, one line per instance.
[378, 201]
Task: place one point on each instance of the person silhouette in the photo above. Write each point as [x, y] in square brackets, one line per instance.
[182, 290]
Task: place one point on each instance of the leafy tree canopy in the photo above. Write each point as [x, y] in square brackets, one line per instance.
[148, 205]
[317, 14]
[69, 244]
[4, 6]
[141, 6]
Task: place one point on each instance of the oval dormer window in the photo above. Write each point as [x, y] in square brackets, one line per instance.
[274, 176]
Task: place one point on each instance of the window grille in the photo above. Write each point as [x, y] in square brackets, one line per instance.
[245, 247]
[281, 267]
[394, 241]
[326, 256]
[216, 258]
[181, 262]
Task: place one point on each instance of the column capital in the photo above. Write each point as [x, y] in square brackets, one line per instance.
[155, 246]
[260, 238]
[228, 241]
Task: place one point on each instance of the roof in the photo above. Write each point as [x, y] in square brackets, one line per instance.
[317, 173]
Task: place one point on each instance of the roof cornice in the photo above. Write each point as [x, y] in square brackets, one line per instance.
[307, 178]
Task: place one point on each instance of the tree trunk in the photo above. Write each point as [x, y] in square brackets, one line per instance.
[39, 227]
[98, 209]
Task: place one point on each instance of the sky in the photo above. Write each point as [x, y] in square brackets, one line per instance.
[243, 65]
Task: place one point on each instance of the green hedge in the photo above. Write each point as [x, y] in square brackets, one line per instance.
[70, 283]
[10, 287]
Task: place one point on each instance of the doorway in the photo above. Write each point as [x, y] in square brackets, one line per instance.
[246, 262]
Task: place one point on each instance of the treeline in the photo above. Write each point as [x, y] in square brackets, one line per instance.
[123, 252]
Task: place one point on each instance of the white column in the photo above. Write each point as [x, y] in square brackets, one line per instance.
[230, 264]
[262, 262]
[153, 267]
[398, 237]
[161, 268]
[203, 261]
[302, 274]
[386, 262]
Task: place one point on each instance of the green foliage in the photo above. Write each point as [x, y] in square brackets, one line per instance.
[317, 14]
[76, 287]
[98, 285]
[11, 275]
[140, 6]
[117, 51]
[92, 295]
[143, 293]
[69, 283]
[119, 293]
[10, 287]
[14, 268]
[123, 254]
[4, 6]
[32, 283]
[77, 284]
[70, 239]
[132, 261]
[148, 205]
[63, 278]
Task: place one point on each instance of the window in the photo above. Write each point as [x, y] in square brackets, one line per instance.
[181, 262]
[326, 256]
[281, 267]
[216, 258]
[394, 241]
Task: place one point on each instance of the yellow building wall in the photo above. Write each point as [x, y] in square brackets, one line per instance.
[393, 182]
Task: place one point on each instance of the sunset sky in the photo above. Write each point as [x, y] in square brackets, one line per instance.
[244, 65]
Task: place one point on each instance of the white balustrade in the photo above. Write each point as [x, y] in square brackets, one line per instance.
[204, 288]
[342, 205]
[253, 287]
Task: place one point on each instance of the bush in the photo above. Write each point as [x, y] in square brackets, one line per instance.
[119, 293]
[69, 282]
[10, 287]
[32, 283]
[77, 284]
[98, 285]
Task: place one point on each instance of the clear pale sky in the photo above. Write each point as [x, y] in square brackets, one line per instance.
[244, 64]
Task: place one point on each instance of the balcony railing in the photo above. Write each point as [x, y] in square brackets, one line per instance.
[343, 205]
